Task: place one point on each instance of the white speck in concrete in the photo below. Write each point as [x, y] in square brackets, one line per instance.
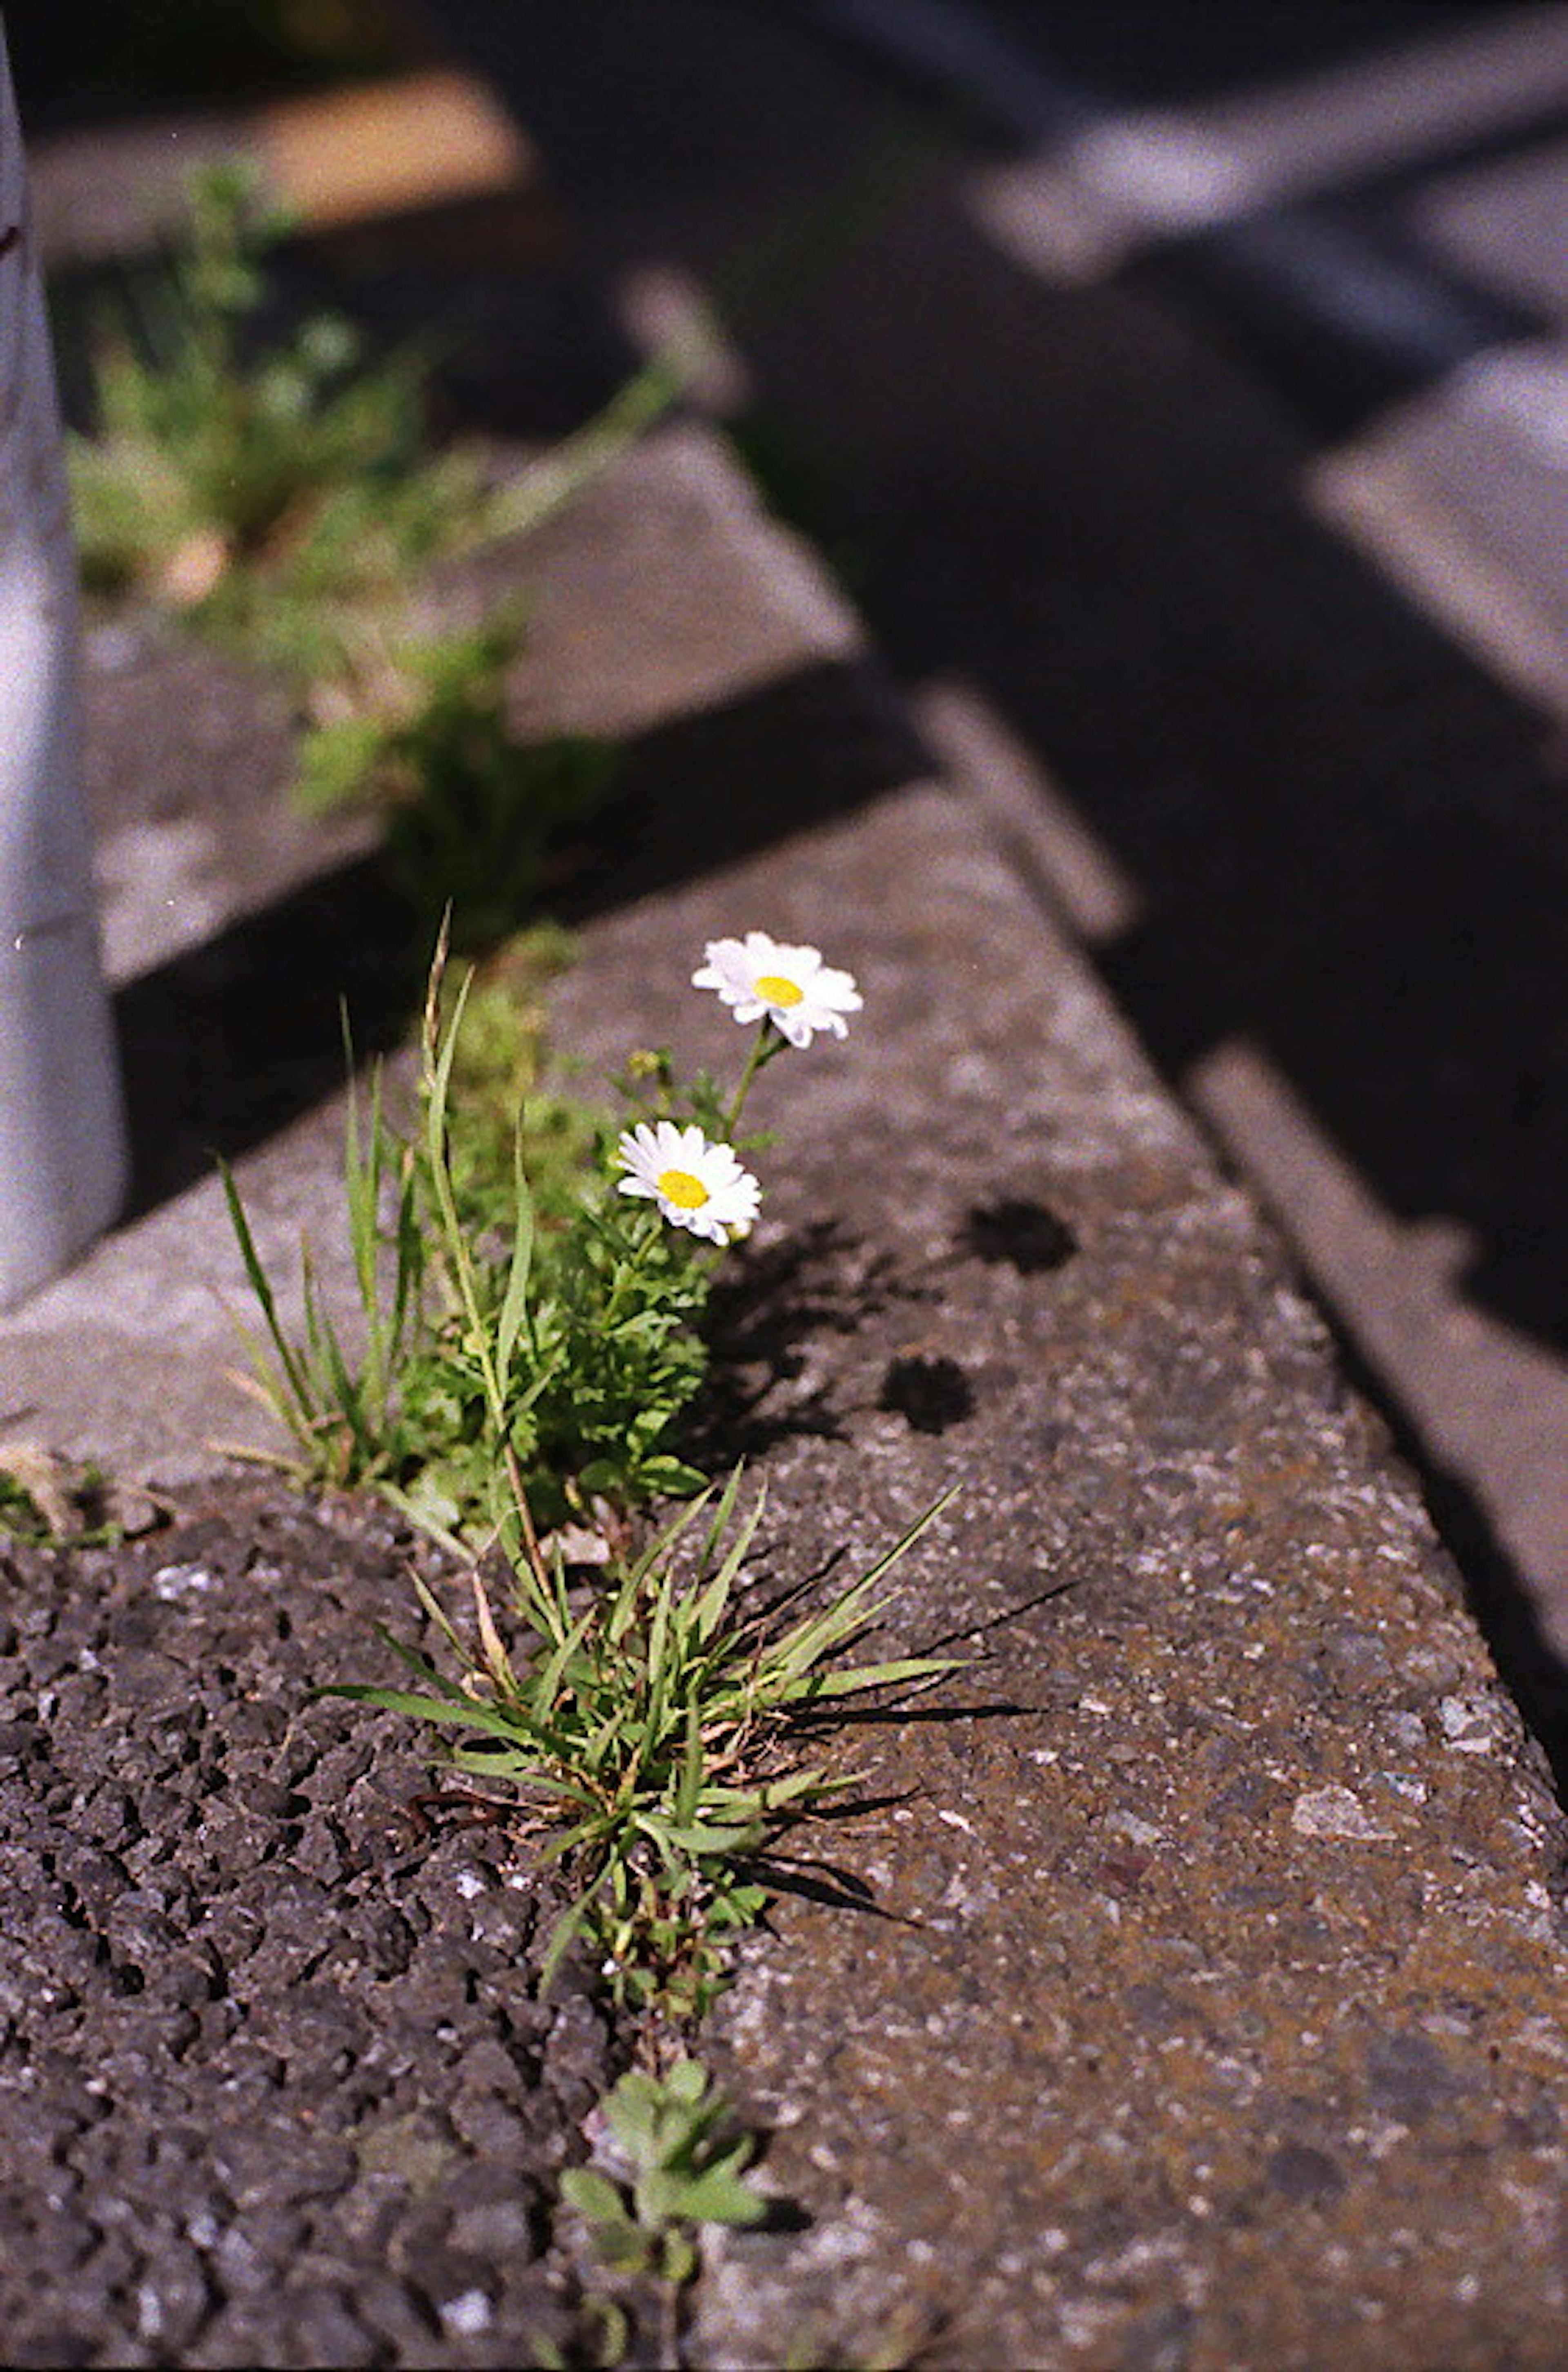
[1335, 1812]
[1466, 1725]
[467, 2316]
[1137, 1832]
[172, 1582]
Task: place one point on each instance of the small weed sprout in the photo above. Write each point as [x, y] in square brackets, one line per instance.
[668, 2166]
[645, 1726]
[345, 1405]
[668, 2162]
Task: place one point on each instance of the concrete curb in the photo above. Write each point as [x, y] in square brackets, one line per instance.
[1207, 2013]
[1215, 1951]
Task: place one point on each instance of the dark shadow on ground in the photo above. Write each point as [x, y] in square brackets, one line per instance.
[1350, 845]
[768, 1307]
[224, 1046]
[707, 789]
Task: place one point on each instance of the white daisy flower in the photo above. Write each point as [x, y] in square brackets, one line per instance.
[798, 992]
[696, 1183]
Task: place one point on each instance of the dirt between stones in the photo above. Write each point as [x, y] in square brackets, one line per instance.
[276, 2086]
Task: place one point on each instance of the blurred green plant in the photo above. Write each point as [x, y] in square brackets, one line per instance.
[241, 479]
[471, 814]
[273, 488]
[670, 2162]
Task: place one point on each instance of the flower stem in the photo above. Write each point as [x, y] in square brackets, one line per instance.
[764, 1046]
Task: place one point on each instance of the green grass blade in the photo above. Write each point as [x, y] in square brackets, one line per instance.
[688, 1788]
[906, 1540]
[546, 1688]
[515, 1302]
[440, 1055]
[700, 1836]
[898, 1673]
[817, 1634]
[466, 1713]
[724, 1511]
[714, 1598]
[261, 1286]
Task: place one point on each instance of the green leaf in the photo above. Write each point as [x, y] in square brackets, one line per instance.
[687, 2081]
[595, 2198]
[667, 1473]
[466, 1712]
[719, 2195]
[514, 1306]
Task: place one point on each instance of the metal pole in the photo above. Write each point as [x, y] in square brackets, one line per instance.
[62, 1131]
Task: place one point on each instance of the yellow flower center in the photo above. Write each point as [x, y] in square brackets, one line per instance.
[774, 989]
[679, 1186]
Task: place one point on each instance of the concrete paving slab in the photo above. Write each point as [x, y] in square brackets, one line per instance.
[1501, 221]
[1208, 2011]
[1098, 177]
[1078, 504]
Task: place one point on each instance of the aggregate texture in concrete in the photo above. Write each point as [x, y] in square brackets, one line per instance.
[1192, 1993]
[1208, 2012]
